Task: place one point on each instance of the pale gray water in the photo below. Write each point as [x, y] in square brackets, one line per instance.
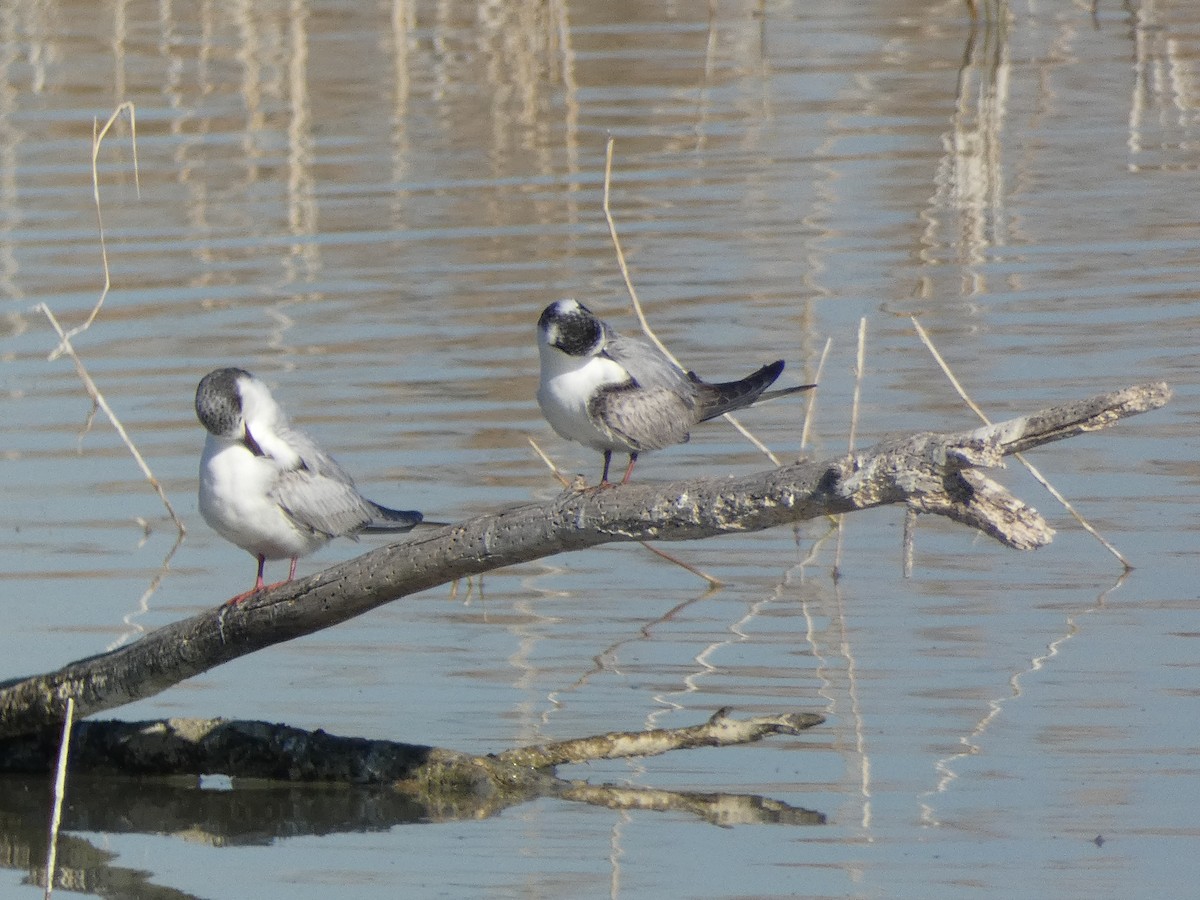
[368, 207]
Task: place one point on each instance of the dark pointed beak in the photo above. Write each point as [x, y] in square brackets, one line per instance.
[252, 444]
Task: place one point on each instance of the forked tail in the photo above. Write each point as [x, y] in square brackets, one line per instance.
[718, 399]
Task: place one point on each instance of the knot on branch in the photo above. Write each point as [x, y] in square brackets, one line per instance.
[970, 497]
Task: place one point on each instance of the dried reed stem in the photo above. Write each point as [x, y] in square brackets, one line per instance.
[637, 304]
[554, 470]
[65, 345]
[98, 134]
[858, 379]
[711, 580]
[60, 790]
[811, 409]
[98, 398]
[859, 368]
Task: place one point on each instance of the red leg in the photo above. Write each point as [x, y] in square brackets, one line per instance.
[629, 471]
[258, 583]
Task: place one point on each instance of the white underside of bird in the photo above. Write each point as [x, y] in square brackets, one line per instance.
[270, 489]
[566, 387]
[237, 501]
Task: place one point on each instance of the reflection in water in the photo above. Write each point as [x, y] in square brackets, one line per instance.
[607, 661]
[1164, 120]
[261, 813]
[944, 767]
[134, 627]
[970, 176]
[246, 816]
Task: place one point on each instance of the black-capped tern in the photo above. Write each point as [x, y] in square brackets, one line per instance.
[270, 489]
[616, 393]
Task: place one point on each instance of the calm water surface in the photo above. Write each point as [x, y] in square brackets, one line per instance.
[368, 205]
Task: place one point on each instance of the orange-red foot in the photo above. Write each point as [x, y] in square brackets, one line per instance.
[257, 589]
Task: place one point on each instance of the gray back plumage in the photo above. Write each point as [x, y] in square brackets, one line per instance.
[658, 408]
[646, 364]
[311, 488]
[319, 494]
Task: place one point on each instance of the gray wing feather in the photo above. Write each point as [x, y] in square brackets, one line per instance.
[645, 418]
[316, 460]
[385, 519]
[646, 364]
[326, 505]
[317, 493]
[658, 409]
[718, 399]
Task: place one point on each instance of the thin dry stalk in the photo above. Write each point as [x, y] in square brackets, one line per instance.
[1087, 526]
[98, 398]
[670, 557]
[637, 304]
[811, 410]
[554, 470]
[612, 231]
[60, 790]
[858, 379]
[98, 135]
[65, 345]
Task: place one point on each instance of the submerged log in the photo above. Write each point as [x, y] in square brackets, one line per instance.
[438, 783]
[930, 473]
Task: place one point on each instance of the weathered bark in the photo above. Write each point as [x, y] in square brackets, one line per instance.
[932, 473]
[719, 731]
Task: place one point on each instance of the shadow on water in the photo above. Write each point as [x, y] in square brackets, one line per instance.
[258, 813]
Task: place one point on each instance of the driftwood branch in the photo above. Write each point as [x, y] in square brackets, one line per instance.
[719, 731]
[932, 473]
[436, 782]
[282, 753]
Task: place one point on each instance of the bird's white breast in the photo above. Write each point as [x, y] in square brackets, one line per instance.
[236, 500]
[567, 384]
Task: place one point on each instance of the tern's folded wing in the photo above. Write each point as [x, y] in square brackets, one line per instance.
[325, 505]
[647, 365]
[644, 418]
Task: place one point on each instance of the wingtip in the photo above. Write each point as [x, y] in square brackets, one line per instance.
[395, 520]
[774, 370]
